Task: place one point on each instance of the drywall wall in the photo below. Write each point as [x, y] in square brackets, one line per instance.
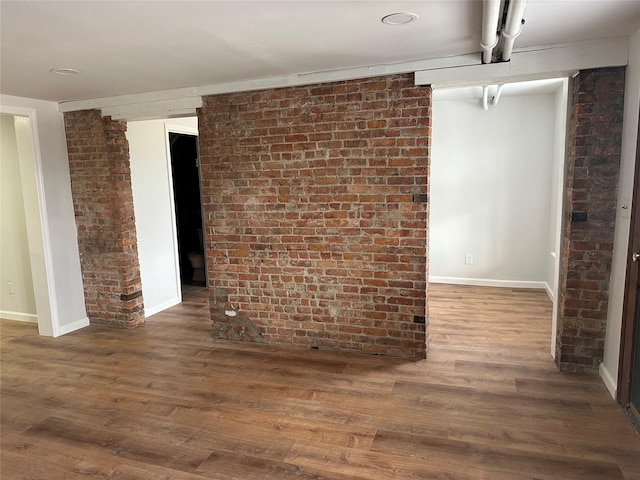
[609, 366]
[491, 177]
[58, 279]
[17, 300]
[151, 183]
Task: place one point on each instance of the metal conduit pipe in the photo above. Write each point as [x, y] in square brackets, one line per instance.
[496, 97]
[512, 26]
[490, 17]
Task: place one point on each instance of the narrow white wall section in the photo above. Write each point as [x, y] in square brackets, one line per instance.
[58, 245]
[609, 366]
[552, 280]
[151, 183]
[490, 189]
[17, 299]
[557, 187]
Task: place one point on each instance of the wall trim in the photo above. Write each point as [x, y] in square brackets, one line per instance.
[488, 282]
[608, 380]
[549, 291]
[19, 316]
[172, 302]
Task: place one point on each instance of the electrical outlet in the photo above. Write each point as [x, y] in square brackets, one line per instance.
[10, 290]
[468, 258]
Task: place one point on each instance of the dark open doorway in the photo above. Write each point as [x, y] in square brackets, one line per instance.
[186, 191]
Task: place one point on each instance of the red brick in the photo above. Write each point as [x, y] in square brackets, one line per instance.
[103, 205]
[337, 196]
[593, 167]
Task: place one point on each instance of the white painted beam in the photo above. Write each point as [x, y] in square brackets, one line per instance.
[339, 75]
[532, 64]
[273, 82]
[461, 70]
[127, 99]
[158, 109]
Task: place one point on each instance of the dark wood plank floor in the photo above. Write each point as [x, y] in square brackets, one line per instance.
[166, 401]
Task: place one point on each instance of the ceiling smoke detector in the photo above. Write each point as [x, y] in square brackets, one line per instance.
[400, 18]
[64, 71]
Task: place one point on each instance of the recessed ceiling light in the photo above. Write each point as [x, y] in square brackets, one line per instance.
[64, 71]
[400, 18]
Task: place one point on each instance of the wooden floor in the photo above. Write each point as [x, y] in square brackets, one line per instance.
[166, 401]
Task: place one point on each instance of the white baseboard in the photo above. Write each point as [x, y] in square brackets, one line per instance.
[485, 282]
[549, 291]
[72, 327]
[608, 380]
[163, 306]
[19, 316]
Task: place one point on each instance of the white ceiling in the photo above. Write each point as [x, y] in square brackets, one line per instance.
[124, 47]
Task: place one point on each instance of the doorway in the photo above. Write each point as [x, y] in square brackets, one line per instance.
[629, 370]
[27, 275]
[17, 296]
[188, 210]
[496, 197]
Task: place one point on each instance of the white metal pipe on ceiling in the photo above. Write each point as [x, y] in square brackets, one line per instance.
[496, 97]
[490, 18]
[512, 26]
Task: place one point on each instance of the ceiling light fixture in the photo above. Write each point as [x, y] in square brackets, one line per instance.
[64, 71]
[400, 18]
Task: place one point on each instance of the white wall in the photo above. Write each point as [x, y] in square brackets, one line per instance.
[552, 279]
[557, 186]
[609, 366]
[151, 183]
[53, 245]
[490, 184]
[17, 299]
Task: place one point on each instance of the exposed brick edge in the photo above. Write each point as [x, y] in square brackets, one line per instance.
[103, 202]
[594, 148]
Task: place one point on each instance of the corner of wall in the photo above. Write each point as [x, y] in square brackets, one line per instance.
[608, 380]
[71, 327]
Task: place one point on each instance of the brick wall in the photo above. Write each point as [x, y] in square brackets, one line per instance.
[594, 143]
[103, 203]
[315, 231]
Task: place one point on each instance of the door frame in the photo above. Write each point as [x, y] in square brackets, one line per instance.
[38, 236]
[631, 300]
[181, 130]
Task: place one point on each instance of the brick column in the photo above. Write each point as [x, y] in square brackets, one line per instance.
[316, 219]
[594, 144]
[103, 201]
